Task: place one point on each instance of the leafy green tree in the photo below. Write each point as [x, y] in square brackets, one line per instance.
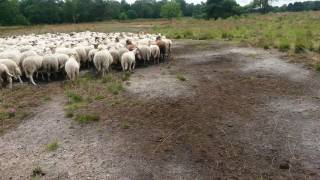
[123, 16]
[222, 8]
[132, 14]
[171, 10]
[10, 13]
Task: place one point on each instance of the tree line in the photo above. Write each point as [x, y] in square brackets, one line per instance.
[25, 12]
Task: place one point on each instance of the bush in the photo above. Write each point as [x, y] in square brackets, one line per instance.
[123, 16]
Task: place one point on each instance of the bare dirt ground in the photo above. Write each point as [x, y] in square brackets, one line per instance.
[241, 113]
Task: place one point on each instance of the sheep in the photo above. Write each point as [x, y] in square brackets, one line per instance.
[102, 61]
[115, 56]
[13, 68]
[26, 54]
[128, 61]
[14, 55]
[155, 53]
[72, 68]
[92, 52]
[69, 52]
[50, 64]
[82, 54]
[163, 48]
[5, 76]
[31, 65]
[143, 53]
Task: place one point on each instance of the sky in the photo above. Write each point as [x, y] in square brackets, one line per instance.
[241, 2]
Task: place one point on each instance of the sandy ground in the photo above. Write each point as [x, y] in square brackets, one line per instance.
[242, 113]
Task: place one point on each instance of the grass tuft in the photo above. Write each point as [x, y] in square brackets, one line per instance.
[115, 87]
[53, 146]
[86, 118]
[36, 172]
[181, 78]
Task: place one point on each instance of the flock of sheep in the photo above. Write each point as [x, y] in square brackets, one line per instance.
[49, 54]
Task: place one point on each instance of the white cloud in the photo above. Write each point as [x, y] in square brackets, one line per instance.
[241, 2]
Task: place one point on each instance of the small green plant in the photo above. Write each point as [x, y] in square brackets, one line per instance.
[284, 47]
[69, 114]
[318, 67]
[47, 98]
[108, 78]
[53, 146]
[181, 78]
[126, 76]
[115, 87]
[74, 98]
[99, 98]
[37, 172]
[299, 48]
[87, 118]
[125, 126]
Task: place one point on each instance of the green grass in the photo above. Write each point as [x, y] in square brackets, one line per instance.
[86, 118]
[53, 146]
[318, 68]
[181, 78]
[115, 87]
[126, 76]
[74, 98]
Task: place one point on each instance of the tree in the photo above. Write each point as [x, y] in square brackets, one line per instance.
[170, 10]
[263, 5]
[132, 14]
[10, 13]
[222, 8]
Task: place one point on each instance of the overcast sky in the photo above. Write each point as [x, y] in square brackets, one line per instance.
[241, 2]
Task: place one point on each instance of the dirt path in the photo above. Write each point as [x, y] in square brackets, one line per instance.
[216, 111]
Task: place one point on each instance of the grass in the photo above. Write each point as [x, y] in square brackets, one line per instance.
[318, 68]
[37, 171]
[53, 146]
[181, 77]
[87, 118]
[19, 103]
[88, 96]
[115, 87]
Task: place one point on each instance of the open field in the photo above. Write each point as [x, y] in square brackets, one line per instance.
[218, 109]
[215, 110]
[298, 34]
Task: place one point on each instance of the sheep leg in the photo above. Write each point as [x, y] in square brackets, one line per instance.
[10, 82]
[20, 80]
[49, 74]
[42, 76]
[31, 80]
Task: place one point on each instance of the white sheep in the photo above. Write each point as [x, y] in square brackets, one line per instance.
[143, 53]
[14, 55]
[128, 61]
[72, 68]
[50, 64]
[102, 61]
[31, 65]
[5, 76]
[13, 68]
[155, 53]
